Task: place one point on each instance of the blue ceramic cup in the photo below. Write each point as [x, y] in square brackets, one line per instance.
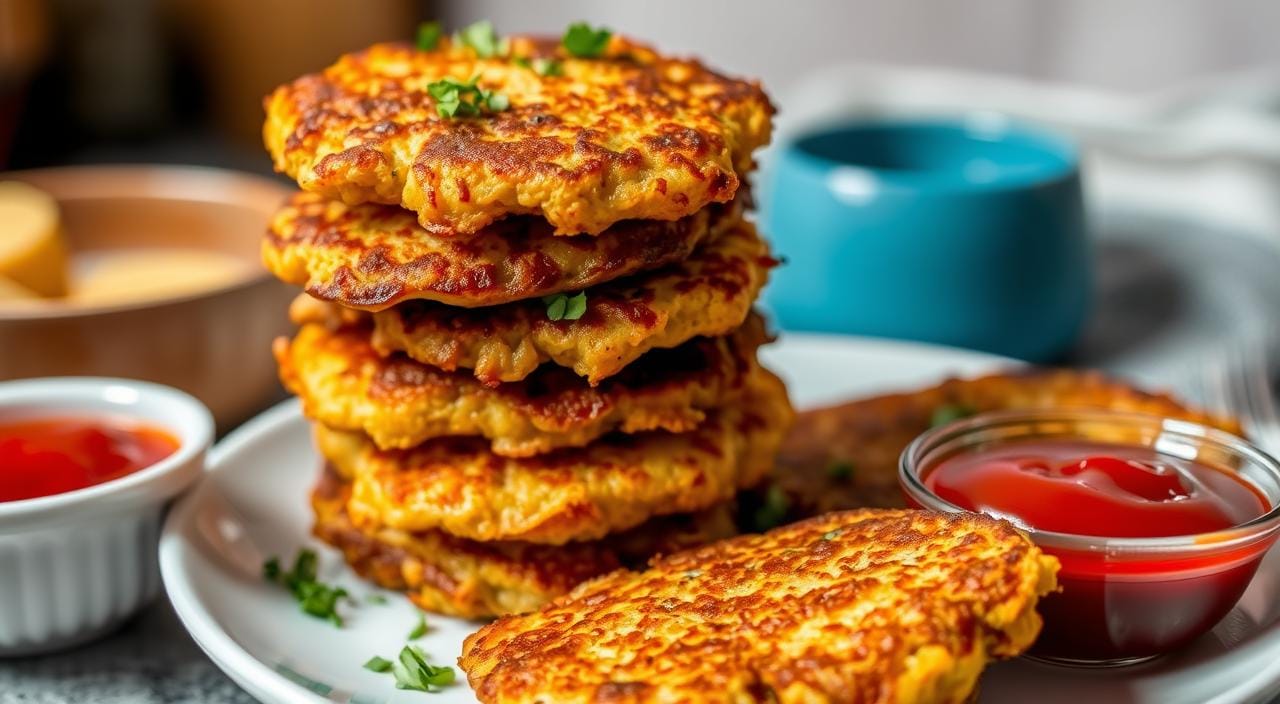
[965, 232]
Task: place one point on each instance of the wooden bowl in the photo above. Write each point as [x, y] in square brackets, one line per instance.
[216, 343]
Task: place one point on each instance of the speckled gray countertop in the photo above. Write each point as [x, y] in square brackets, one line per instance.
[151, 660]
[1166, 291]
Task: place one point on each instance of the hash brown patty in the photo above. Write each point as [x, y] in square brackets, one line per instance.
[472, 579]
[399, 403]
[708, 294]
[373, 256]
[615, 483]
[846, 456]
[631, 135]
[861, 606]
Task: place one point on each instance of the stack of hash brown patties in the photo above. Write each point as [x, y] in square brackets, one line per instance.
[527, 339]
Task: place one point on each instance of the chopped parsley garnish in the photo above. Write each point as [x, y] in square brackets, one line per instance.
[315, 598]
[541, 65]
[428, 37]
[482, 39]
[949, 412]
[561, 306]
[496, 102]
[375, 598]
[548, 67]
[840, 471]
[412, 671]
[457, 99]
[773, 511]
[419, 630]
[582, 41]
[377, 664]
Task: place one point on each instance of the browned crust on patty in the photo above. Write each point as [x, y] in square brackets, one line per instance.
[399, 403]
[633, 135]
[373, 256]
[473, 579]
[613, 484]
[862, 606]
[708, 294]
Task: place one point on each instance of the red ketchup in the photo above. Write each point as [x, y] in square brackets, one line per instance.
[1115, 607]
[56, 455]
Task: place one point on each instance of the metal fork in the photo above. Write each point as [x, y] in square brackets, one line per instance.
[1238, 380]
[1255, 381]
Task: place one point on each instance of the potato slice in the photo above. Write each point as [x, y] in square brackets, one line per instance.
[12, 291]
[33, 252]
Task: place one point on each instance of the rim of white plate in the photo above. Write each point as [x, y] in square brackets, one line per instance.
[264, 682]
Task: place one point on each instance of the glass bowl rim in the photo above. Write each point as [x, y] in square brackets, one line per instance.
[1240, 535]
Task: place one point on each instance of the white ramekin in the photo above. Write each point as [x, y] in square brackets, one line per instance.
[75, 565]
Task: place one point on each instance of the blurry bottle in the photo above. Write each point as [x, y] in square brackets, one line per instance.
[24, 38]
[119, 65]
[246, 48]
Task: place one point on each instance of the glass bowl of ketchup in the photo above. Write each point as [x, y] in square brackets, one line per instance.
[1159, 524]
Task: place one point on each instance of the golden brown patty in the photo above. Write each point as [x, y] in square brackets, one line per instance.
[708, 294]
[863, 606]
[615, 483]
[400, 403]
[634, 135]
[847, 456]
[372, 256]
[475, 579]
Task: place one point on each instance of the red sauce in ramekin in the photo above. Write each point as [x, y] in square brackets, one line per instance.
[48, 456]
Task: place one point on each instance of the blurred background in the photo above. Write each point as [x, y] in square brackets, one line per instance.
[1175, 103]
[1174, 106]
[181, 80]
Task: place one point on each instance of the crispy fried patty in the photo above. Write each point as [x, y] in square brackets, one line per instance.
[709, 294]
[863, 606]
[345, 384]
[634, 135]
[372, 256]
[846, 456]
[473, 579]
[615, 483]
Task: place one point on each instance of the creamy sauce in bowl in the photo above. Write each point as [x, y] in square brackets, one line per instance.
[105, 277]
[107, 261]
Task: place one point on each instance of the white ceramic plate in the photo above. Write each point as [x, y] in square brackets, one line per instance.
[254, 505]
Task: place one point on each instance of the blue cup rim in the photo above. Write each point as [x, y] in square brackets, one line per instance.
[1061, 155]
